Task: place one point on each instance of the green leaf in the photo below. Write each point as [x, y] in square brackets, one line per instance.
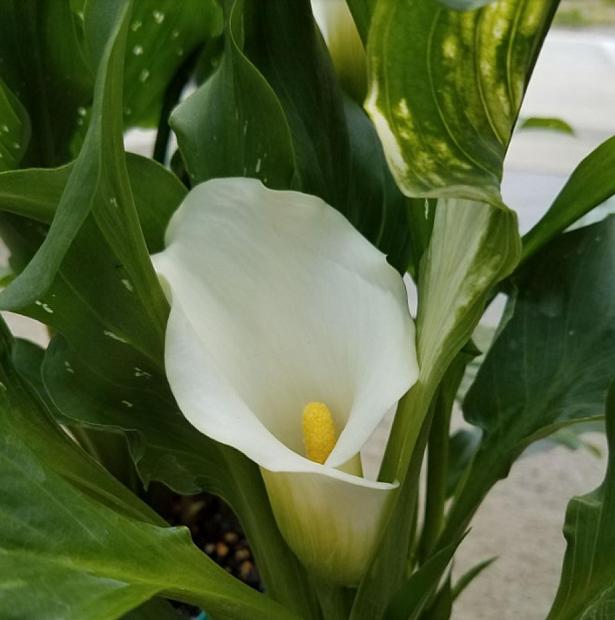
[441, 608]
[234, 125]
[14, 130]
[416, 592]
[44, 66]
[586, 588]
[546, 122]
[446, 87]
[167, 448]
[375, 205]
[162, 37]
[273, 110]
[283, 42]
[362, 13]
[469, 576]
[590, 184]
[462, 447]
[550, 365]
[75, 544]
[98, 183]
[36, 192]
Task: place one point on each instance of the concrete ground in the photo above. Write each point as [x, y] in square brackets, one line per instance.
[521, 520]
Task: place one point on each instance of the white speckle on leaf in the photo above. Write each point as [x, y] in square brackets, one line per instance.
[137, 50]
[245, 128]
[139, 372]
[114, 336]
[127, 403]
[16, 145]
[180, 52]
[128, 285]
[136, 25]
[68, 367]
[5, 128]
[2, 386]
[158, 16]
[259, 161]
[144, 75]
[174, 34]
[81, 111]
[127, 111]
[113, 202]
[571, 332]
[47, 308]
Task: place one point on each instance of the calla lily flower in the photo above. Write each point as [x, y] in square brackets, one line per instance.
[289, 339]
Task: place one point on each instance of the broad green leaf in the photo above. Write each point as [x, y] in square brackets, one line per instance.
[550, 365]
[462, 447]
[590, 184]
[234, 125]
[273, 110]
[36, 192]
[414, 595]
[14, 129]
[98, 183]
[162, 37]
[551, 123]
[167, 448]
[587, 587]
[445, 88]
[74, 544]
[337, 152]
[44, 66]
[23, 414]
[284, 43]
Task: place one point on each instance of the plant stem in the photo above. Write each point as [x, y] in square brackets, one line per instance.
[335, 601]
[437, 473]
[437, 455]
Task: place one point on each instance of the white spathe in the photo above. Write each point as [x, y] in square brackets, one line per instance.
[277, 301]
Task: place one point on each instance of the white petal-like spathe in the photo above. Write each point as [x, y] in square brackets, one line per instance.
[276, 301]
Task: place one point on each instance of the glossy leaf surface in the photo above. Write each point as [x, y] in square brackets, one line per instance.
[446, 87]
[551, 364]
[14, 129]
[44, 64]
[76, 543]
